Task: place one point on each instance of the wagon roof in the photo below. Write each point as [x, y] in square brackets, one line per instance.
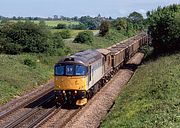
[103, 51]
[119, 48]
[85, 57]
[114, 50]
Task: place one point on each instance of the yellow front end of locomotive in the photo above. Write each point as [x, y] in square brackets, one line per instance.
[75, 84]
[70, 83]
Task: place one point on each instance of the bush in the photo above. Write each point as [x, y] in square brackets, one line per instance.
[115, 35]
[79, 26]
[61, 26]
[147, 50]
[84, 37]
[30, 38]
[65, 34]
[104, 28]
[164, 27]
[55, 43]
[24, 37]
[30, 63]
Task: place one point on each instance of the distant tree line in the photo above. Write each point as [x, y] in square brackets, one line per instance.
[135, 20]
[111, 29]
[85, 23]
[164, 28]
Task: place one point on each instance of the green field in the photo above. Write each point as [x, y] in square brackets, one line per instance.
[51, 23]
[55, 23]
[151, 99]
[73, 32]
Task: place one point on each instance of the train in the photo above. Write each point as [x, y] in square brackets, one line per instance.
[79, 76]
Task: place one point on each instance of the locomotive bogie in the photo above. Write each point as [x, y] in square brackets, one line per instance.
[71, 97]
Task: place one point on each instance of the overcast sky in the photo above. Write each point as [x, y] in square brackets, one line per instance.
[70, 8]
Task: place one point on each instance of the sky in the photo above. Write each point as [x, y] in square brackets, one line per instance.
[71, 8]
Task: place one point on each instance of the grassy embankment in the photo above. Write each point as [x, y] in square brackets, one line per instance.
[151, 99]
[17, 77]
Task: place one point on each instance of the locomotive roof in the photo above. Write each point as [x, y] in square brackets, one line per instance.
[85, 57]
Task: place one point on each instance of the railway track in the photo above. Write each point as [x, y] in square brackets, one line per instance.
[40, 115]
[36, 115]
[5, 111]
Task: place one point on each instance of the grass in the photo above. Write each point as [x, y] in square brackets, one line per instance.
[151, 99]
[73, 32]
[16, 77]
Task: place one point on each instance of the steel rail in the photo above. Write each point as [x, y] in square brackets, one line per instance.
[46, 116]
[28, 114]
[6, 113]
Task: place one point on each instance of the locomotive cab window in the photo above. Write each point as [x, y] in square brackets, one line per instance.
[69, 69]
[59, 70]
[81, 70]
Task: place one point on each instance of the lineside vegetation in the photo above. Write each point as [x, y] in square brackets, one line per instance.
[151, 98]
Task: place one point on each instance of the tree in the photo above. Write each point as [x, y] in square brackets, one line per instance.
[84, 37]
[104, 28]
[91, 23]
[27, 37]
[121, 24]
[61, 26]
[164, 27]
[65, 34]
[42, 24]
[137, 20]
[135, 17]
[55, 17]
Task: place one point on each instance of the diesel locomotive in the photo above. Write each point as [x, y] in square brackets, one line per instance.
[78, 77]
